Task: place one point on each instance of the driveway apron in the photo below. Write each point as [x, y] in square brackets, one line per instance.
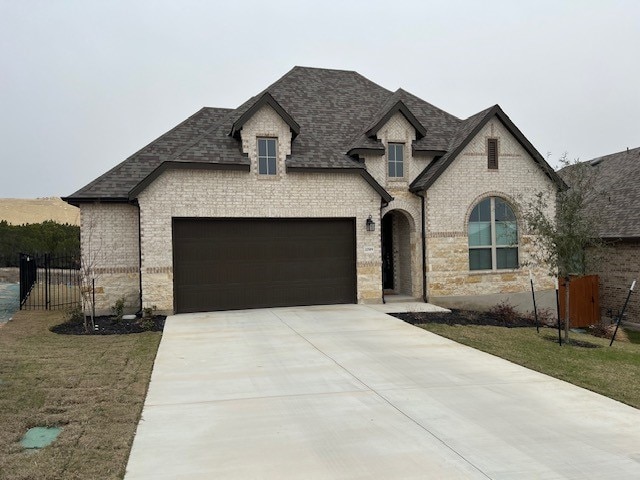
[346, 391]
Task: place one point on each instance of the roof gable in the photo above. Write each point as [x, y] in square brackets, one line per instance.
[265, 99]
[468, 129]
[384, 117]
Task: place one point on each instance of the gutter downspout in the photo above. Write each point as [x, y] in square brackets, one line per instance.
[139, 257]
[382, 205]
[424, 248]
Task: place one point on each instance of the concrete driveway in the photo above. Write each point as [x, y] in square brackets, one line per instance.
[337, 392]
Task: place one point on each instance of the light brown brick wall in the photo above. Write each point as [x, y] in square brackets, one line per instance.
[397, 130]
[450, 201]
[402, 246]
[109, 243]
[617, 266]
[198, 193]
[407, 205]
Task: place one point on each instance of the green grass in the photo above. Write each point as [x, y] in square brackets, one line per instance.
[633, 335]
[610, 371]
[91, 386]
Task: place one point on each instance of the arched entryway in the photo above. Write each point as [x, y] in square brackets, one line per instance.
[397, 229]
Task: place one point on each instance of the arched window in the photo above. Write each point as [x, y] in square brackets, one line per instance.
[493, 236]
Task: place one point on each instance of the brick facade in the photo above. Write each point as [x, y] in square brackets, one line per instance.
[451, 198]
[109, 244]
[617, 266]
[405, 205]
[216, 193]
[290, 194]
[449, 202]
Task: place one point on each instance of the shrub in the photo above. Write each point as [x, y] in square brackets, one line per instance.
[505, 314]
[606, 331]
[147, 323]
[546, 316]
[118, 308]
[75, 314]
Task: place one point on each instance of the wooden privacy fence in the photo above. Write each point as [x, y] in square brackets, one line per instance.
[584, 306]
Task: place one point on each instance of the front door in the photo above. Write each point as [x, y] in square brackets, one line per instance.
[387, 252]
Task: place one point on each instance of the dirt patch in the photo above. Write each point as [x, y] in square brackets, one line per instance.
[463, 317]
[110, 326]
[17, 211]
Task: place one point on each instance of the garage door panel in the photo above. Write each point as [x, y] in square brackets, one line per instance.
[253, 263]
[287, 271]
[233, 296]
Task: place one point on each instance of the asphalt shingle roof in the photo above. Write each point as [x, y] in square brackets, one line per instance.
[617, 193]
[333, 109]
[121, 179]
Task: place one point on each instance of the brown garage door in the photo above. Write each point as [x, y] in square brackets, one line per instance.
[226, 264]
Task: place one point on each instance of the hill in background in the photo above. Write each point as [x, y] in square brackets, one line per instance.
[18, 211]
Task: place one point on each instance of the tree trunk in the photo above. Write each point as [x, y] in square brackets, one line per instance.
[567, 320]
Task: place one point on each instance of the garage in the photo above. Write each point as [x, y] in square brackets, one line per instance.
[238, 263]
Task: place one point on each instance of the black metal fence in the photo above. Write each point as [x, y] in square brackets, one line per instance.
[49, 283]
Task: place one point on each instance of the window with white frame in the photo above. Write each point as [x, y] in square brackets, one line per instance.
[267, 158]
[493, 236]
[396, 160]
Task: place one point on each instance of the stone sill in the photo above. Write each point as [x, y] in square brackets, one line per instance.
[472, 273]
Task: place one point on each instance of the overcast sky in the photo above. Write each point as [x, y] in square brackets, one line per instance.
[84, 84]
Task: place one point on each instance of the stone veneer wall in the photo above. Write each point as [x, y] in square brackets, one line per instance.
[109, 244]
[617, 266]
[449, 203]
[222, 193]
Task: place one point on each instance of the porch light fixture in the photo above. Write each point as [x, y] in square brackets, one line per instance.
[371, 225]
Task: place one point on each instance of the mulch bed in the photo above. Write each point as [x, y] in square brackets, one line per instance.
[469, 317]
[110, 326]
[464, 317]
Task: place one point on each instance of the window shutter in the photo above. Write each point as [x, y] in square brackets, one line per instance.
[492, 157]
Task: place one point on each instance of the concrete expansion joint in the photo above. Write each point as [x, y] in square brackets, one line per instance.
[236, 399]
[383, 398]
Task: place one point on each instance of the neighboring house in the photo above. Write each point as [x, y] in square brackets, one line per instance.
[324, 188]
[617, 203]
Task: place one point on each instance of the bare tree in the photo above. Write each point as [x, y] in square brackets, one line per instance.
[562, 241]
[91, 248]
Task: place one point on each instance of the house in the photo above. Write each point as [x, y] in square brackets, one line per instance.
[617, 178]
[323, 188]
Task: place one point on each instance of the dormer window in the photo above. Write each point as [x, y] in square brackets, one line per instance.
[396, 160]
[267, 158]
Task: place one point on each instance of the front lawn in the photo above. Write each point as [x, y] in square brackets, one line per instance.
[614, 372]
[91, 386]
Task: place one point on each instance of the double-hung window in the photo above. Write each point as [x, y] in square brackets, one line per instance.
[493, 236]
[396, 160]
[267, 156]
